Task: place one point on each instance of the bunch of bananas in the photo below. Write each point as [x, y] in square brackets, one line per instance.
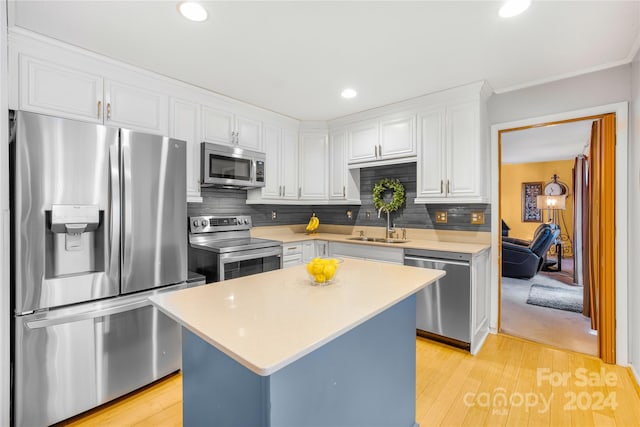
[313, 224]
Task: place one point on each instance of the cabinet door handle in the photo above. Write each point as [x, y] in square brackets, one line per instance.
[344, 191]
[441, 186]
[108, 111]
[280, 190]
[447, 186]
[299, 192]
[380, 150]
[283, 190]
[99, 108]
[376, 150]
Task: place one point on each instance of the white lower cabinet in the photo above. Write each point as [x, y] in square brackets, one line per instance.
[480, 299]
[297, 253]
[291, 254]
[367, 252]
[321, 248]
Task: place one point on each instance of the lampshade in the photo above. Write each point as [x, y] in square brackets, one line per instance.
[551, 202]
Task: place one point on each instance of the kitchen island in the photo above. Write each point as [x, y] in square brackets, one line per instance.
[273, 350]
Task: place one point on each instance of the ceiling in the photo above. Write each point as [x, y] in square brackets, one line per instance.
[544, 144]
[295, 57]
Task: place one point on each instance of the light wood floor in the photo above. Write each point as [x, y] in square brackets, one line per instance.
[454, 388]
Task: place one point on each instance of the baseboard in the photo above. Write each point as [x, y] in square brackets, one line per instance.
[636, 376]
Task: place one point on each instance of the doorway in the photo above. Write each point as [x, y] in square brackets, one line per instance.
[612, 200]
[543, 298]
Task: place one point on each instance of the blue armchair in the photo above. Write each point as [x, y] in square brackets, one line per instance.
[524, 259]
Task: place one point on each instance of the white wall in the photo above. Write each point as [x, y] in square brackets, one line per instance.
[4, 225]
[589, 90]
[596, 93]
[634, 214]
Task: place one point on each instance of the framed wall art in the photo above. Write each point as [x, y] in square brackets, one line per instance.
[530, 191]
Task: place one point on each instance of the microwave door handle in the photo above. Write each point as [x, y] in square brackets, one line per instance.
[252, 174]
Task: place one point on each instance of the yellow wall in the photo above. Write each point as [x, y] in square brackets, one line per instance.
[512, 177]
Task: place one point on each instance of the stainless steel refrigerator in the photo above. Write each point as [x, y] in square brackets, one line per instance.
[98, 224]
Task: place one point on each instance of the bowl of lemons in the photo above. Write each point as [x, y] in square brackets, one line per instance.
[322, 271]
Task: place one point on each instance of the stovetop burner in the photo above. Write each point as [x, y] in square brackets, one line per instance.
[225, 234]
[234, 245]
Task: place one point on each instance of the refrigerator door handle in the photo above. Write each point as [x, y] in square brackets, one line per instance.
[86, 315]
[114, 237]
[126, 202]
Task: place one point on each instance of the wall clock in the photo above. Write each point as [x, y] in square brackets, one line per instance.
[555, 187]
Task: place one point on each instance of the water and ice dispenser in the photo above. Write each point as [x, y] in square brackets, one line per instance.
[75, 240]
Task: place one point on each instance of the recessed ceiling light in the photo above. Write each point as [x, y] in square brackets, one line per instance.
[513, 7]
[348, 93]
[192, 10]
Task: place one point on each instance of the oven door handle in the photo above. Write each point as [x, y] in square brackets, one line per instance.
[252, 254]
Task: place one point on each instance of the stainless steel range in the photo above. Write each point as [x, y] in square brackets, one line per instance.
[221, 248]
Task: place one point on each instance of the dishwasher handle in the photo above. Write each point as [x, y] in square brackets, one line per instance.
[439, 260]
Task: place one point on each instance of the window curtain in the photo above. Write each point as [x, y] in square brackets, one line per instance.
[591, 265]
[581, 229]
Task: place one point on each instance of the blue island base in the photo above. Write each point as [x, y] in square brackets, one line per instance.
[364, 378]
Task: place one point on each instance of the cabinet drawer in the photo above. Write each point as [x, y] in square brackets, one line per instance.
[291, 260]
[376, 253]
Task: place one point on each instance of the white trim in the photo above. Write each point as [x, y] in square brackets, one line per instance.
[5, 305]
[564, 76]
[635, 374]
[621, 110]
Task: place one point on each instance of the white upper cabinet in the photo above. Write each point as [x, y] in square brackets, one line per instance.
[272, 141]
[225, 127]
[398, 137]
[50, 88]
[289, 165]
[431, 176]
[387, 140]
[453, 154]
[281, 165]
[314, 166]
[364, 141]
[53, 89]
[135, 107]
[217, 126]
[184, 125]
[248, 133]
[463, 150]
[338, 165]
[344, 183]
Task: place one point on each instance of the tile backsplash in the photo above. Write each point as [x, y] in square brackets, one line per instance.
[223, 202]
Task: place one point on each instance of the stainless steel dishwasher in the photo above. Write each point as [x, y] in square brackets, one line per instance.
[443, 309]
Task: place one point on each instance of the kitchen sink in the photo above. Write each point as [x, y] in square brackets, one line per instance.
[376, 239]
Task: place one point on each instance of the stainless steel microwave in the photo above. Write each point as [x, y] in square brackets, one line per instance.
[231, 167]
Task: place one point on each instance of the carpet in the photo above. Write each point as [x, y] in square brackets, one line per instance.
[558, 298]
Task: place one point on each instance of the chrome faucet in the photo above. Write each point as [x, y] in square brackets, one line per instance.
[389, 230]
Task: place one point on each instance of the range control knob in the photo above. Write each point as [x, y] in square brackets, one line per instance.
[204, 223]
[246, 221]
[195, 223]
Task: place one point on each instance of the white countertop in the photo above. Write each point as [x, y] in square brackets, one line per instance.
[418, 239]
[269, 320]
